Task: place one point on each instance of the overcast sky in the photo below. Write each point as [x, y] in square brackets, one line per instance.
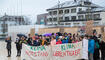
[31, 8]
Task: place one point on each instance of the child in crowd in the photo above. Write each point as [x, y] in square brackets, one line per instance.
[53, 41]
[59, 41]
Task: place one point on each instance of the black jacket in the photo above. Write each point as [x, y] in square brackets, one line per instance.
[18, 45]
[29, 41]
[8, 44]
[102, 46]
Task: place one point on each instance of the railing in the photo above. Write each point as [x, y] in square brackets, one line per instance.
[97, 19]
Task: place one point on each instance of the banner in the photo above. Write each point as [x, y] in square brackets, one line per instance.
[68, 51]
[36, 52]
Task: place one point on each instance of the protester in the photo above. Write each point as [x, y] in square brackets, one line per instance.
[85, 48]
[96, 51]
[102, 50]
[57, 36]
[43, 41]
[8, 40]
[91, 45]
[64, 40]
[29, 41]
[53, 41]
[22, 40]
[18, 47]
[59, 41]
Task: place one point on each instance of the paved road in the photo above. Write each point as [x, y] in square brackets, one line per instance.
[3, 52]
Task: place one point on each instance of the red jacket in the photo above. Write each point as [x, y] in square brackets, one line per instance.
[59, 42]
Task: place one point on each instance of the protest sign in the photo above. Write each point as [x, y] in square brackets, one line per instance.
[89, 27]
[32, 32]
[71, 51]
[103, 33]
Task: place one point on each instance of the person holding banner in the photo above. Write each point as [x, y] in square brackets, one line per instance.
[85, 48]
[18, 47]
[59, 41]
[29, 41]
[53, 41]
[22, 40]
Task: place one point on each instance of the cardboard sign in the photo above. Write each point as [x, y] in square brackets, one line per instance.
[89, 27]
[32, 32]
[103, 33]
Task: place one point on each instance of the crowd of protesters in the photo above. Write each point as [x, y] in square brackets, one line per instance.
[92, 44]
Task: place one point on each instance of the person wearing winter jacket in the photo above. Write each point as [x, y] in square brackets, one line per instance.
[91, 45]
[8, 40]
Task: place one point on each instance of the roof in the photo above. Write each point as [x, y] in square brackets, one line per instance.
[71, 4]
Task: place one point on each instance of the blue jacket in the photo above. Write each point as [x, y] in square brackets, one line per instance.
[91, 45]
[57, 38]
[64, 41]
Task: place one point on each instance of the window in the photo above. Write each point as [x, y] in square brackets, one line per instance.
[80, 17]
[60, 11]
[76, 24]
[66, 11]
[73, 10]
[73, 17]
[96, 16]
[88, 16]
[55, 19]
[50, 13]
[88, 10]
[80, 9]
[60, 18]
[61, 23]
[66, 18]
[67, 23]
[54, 12]
[50, 19]
[96, 23]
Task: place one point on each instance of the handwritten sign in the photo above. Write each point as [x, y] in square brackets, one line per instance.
[58, 52]
[32, 32]
[89, 27]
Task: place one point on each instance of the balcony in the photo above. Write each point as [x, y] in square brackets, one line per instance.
[96, 19]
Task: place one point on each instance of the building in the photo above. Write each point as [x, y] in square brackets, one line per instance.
[42, 19]
[7, 20]
[22, 29]
[75, 13]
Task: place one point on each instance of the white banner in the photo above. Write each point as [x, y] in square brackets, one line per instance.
[70, 51]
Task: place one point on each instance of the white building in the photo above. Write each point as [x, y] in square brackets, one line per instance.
[7, 20]
[23, 29]
[76, 13]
